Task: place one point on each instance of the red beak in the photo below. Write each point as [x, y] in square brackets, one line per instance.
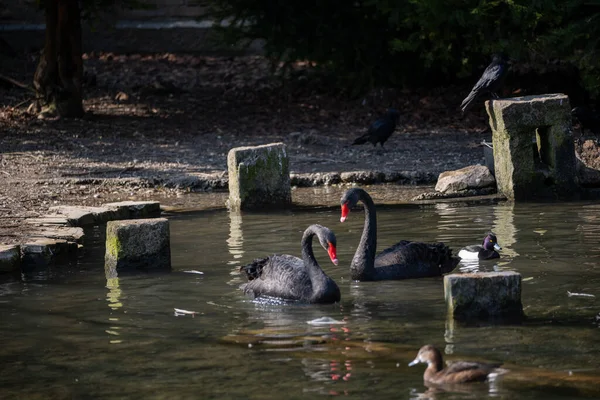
[345, 211]
[332, 254]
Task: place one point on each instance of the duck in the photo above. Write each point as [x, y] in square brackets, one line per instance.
[404, 260]
[457, 372]
[290, 278]
[488, 250]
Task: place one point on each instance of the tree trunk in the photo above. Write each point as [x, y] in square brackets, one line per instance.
[57, 79]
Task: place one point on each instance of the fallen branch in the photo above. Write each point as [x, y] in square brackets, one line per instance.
[17, 83]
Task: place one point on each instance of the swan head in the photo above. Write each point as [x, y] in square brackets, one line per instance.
[349, 200]
[490, 242]
[329, 242]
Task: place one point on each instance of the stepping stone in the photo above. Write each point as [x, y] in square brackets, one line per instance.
[69, 233]
[82, 216]
[46, 251]
[10, 258]
[135, 209]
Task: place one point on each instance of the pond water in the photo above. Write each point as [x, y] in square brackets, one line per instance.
[70, 333]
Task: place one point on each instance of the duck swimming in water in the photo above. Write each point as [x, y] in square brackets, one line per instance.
[457, 372]
[486, 251]
[291, 278]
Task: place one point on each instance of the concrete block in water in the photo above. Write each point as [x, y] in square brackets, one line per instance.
[10, 258]
[483, 295]
[259, 177]
[547, 170]
[46, 251]
[137, 244]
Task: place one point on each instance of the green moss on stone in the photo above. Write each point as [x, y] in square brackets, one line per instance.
[113, 245]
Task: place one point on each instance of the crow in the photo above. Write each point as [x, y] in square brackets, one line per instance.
[490, 82]
[381, 129]
[587, 119]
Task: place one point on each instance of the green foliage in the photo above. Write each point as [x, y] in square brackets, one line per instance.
[381, 42]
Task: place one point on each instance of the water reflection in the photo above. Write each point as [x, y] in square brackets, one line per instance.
[235, 242]
[506, 231]
[113, 297]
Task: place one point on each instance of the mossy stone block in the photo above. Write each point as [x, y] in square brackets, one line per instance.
[548, 169]
[259, 177]
[483, 295]
[137, 244]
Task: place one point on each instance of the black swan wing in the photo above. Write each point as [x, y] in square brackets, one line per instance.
[408, 259]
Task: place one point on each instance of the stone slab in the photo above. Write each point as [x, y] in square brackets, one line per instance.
[69, 233]
[10, 258]
[46, 251]
[48, 220]
[483, 295]
[85, 216]
[137, 244]
[135, 209]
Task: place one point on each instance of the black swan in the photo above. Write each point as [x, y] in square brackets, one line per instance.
[288, 277]
[403, 260]
[457, 372]
[486, 251]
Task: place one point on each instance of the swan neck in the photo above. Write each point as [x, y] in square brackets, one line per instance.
[363, 262]
[316, 274]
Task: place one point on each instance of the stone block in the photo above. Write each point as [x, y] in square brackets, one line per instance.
[548, 170]
[46, 251]
[137, 244]
[259, 177]
[471, 177]
[10, 258]
[135, 209]
[483, 295]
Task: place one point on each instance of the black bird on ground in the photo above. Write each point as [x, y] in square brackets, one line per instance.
[490, 82]
[381, 129]
[587, 120]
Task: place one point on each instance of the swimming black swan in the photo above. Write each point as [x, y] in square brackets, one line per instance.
[403, 260]
[486, 251]
[291, 278]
